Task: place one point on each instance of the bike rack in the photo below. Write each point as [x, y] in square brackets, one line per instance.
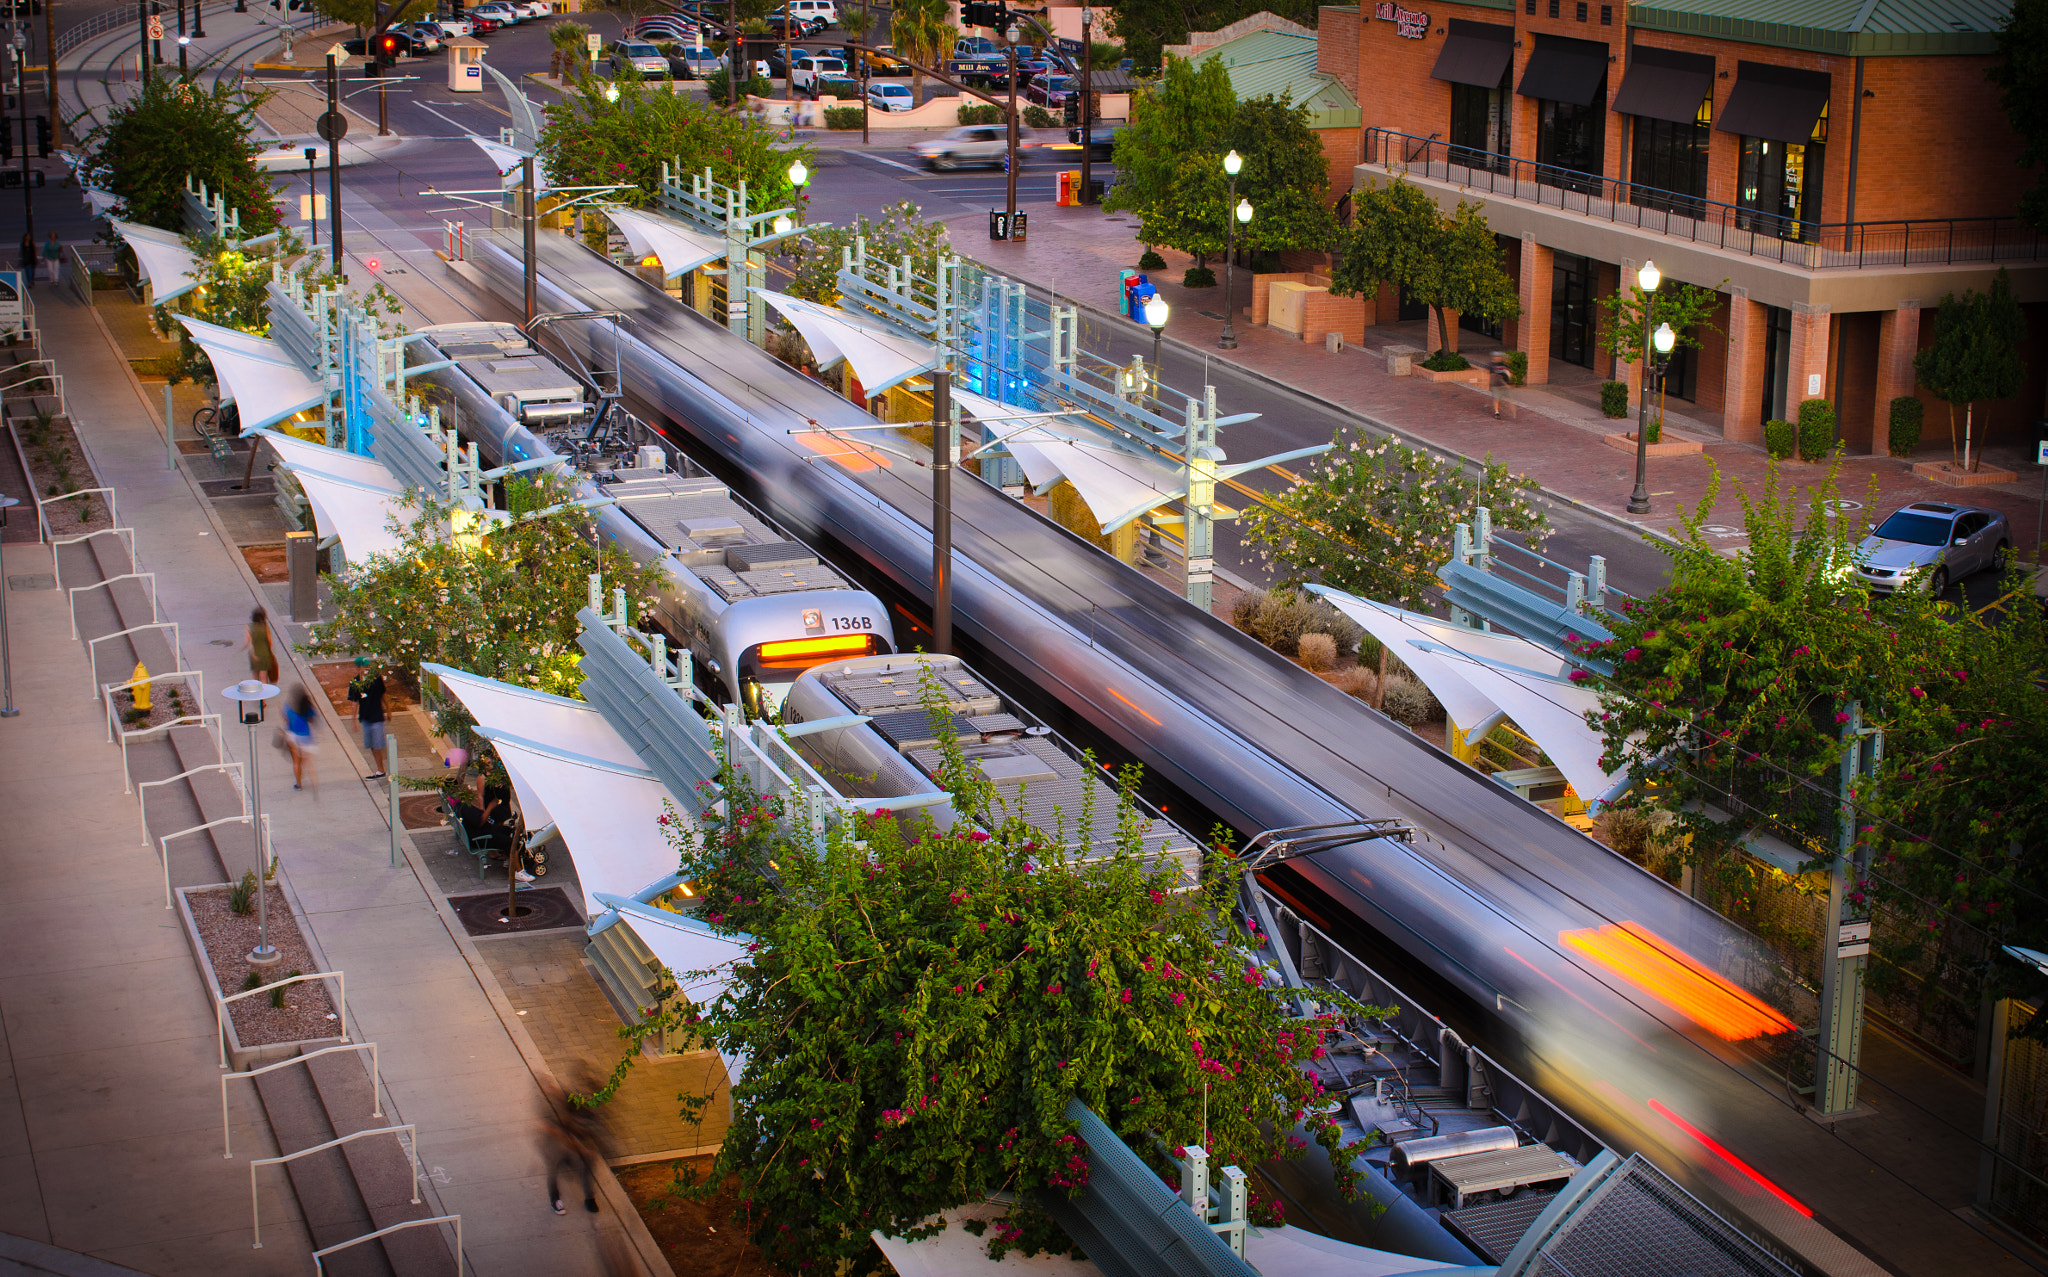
[412, 1148]
[127, 787]
[142, 799]
[318, 1255]
[93, 652]
[76, 590]
[43, 523]
[164, 850]
[376, 1107]
[58, 568]
[220, 1007]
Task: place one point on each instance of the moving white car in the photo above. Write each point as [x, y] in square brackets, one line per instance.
[987, 144]
[889, 97]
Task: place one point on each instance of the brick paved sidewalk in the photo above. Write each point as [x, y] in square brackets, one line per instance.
[1556, 435]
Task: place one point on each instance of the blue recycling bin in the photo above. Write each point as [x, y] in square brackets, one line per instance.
[1142, 293]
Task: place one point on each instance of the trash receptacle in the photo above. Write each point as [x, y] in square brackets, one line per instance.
[998, 225]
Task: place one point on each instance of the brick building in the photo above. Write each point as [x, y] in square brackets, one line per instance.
[1832, 171]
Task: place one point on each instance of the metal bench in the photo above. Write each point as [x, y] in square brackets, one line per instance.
[462, 838]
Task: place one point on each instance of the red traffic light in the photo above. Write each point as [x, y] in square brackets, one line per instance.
[389, 44]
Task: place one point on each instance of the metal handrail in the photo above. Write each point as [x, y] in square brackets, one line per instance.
[1697, 219]
[71, 37]
[185, 720]
[318, 1255]
[163, 846]
[107, 691]
[142, 799]
[58, 543]
[113, 515]
[93, 651]
[376, 1083]
[220, 1001]
[73, 593]
[412, 1148]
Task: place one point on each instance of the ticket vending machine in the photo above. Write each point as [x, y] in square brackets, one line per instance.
[466, 64]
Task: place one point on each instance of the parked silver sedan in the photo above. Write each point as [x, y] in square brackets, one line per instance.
[1931, 544]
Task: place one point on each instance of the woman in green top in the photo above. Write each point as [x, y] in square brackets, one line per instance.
[262, 661]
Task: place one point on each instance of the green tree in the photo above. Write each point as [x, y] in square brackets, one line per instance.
[2022, 78]
[1975, 355]
[590, 140]
[1178, 131]
[901, 232]
[1285, 176]
[502, 605]
[1375, 518]
[373, 17]
[916, 1012]
[566, 45]
[1146, 26]
[1627, 337]
[172, 129]
[921, 33]
[1449, 263]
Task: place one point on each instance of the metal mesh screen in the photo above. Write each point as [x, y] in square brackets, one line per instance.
[1644, 1223]
[1492, 1229]
[2016, 1194]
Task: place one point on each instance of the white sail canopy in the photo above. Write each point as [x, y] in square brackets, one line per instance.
[168, 267]
[678, 248]
[880, 358]
[262, 379]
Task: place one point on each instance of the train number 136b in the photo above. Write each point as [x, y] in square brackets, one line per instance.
[853, 623]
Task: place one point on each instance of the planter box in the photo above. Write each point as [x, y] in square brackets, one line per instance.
[242, 1057]
[1463, 377]
[1626, 441]
[1957, 477]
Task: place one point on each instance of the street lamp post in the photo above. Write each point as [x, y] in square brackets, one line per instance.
[249, 696]
[1010, 166]
[1085, 116]
[1232, 215]
[313, 193]
[198, 20]
[7, 708]
[798, 175]
[1639, 500]
[1156, 311]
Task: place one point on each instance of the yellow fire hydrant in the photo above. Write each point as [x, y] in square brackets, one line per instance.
[141, 689]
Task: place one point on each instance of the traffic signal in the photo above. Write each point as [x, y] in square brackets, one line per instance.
[43, 145]
[995, 16]
[387, 48]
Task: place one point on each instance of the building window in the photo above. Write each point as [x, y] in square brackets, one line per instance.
[1554, 7]
[1606, 15]
[1668, 161]
[1778, 185]
[1572, 337]
[1479, 126]
[1571, 143]
[1529, 7]
[1777, 360]
[1582, 10]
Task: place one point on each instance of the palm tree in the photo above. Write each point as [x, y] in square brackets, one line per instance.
[920, 32]
[566, 39]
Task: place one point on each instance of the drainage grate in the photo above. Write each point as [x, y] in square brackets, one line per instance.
[1210, 314]
[483, 915]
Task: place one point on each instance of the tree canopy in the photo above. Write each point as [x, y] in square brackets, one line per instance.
[374, 16]
[2021, 75]
[171, 129]
[918, 1004]
[1374, 518]
[1398, 235]
[1975, 355]
[1146, 26]
[1285, 176]
[922, 34]
[901, 231]
[590, 140]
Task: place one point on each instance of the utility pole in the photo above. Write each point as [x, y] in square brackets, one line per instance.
[28, 194]
[531, 231]
[50, 73]
[336, 125]
[942, 511]
[1085, 117]
[1846, 935]
[156, 32]
[142, 37]
[183, 40]
[1010, 201]
[860, 51]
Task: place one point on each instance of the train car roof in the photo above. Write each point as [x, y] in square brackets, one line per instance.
[731, 548]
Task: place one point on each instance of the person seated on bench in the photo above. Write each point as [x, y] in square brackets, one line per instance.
[482, 831]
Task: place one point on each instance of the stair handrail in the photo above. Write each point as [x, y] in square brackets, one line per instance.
[376, 1083]
[412, 1148]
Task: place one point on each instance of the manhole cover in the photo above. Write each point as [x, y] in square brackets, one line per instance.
[484, 915]
[1840, 506]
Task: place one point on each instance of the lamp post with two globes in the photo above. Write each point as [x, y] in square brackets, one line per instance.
[1656, 351]
[1237, 212]
[798, 176]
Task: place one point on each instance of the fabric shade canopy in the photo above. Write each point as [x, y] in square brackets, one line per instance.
[685, 945]
[1400, 632]
[585, 780]
[261, 377]
[1552, 711]
[505, 159]
[1117, 485]
[168, 267]
[353, 497]
[101, 202]
[1781, 104]
[1562, 70]
[1665, 84]
[1475, 53]
[678, 248]
[880, 358]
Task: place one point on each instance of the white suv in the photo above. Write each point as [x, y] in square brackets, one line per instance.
[825, 9]
[970, 144]
[805, 70]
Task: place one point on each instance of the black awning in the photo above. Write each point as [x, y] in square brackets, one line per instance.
[1664, 84]
[1112, 80]
[1475, 53]
[1781, 104]
[1562, 70]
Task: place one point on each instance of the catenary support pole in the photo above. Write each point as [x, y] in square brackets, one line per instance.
[1085, 117]
[334, 163]
[1010, 198]
[942, 511]
[530, 229]
[1846, 937]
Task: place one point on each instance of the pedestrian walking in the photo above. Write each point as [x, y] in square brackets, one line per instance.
[262, 661]
[298, 726]
[53, 257]
[367, 691]
[569, 1143]
[1500, 378]
[28, 260]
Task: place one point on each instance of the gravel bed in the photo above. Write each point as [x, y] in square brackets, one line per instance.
[57, 464]
[308, 1012]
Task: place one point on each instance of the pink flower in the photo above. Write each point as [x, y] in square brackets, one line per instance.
[1633, 654]
[1127, 995]
[1918, 695]
[1052, 988]
[1841, 718]
[1578, 676]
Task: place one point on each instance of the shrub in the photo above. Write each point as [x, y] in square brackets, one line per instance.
[1654, 431]
[1280, 620]
[1907, 413]
[1780, 437]
[1151, 261]
[1198, 277]
[1316, 652]
[1244, 612]
[1816, 429]
[1630, 832]
[277, 995]
[1613, 399]
[242, 898]
[1518, 367]
[844, 117]
[251, 981]
[1409, 703]
[1037, 117]
[844, 90]
[1369, 650]
[980, 113]
[1355, 682]
[1447, 361]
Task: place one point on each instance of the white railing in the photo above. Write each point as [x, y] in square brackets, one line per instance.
[52, 377]
[412, 1148]
[163, 846]
[93, 651]
[127, 785]
[57, 565]
[376, 1085]
[99, 24]
[107, 691]
[76, 590]
[44, 503]
[319, 1255]
[220, 1004]
[142, 799]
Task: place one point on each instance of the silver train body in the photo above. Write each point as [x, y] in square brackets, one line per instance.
[754, 608]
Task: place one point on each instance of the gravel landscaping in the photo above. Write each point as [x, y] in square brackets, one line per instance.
[307, 1013]
[57, 464]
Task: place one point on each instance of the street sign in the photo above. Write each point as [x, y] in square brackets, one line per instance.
[156, 27]
[596, 43]
[332, 126]
[2041, 452]
[1853, 940]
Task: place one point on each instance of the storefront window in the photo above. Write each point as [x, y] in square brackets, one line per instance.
[1779, 185]
[1571, 310]
[1571, 143]
[1479, 126]
[1668, 163]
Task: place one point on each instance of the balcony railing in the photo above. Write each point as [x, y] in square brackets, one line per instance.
[1751, 232]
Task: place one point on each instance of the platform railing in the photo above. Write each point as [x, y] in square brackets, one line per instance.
[92, 648]
[220, 1004]
[57, 564]
[376, 1087]
[319, 1256]
[412, 1149]
[211, 721]
[142, 797]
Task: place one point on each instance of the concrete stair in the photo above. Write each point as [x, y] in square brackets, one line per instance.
[358, 1188]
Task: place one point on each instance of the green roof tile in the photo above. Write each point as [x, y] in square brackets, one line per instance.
[1876, 28]
[1283, 64]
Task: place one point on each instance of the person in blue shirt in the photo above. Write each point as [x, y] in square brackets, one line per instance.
[298, 726]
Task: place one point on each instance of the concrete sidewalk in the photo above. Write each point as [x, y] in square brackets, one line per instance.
[109, 1143]
[1555, 435]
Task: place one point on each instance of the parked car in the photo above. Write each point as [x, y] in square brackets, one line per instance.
[687, 62]
[881, 59]
[806, 69]
[976, 46]
[404, 45]
[427, 35]
[982, 144]
[890, 97]
[534, 8]
[452, 26]
[638, 54]
[1931, 544]
[761, 67]
[824, 11]
[1051, 90]
[498, 11]
[482, 25]
[801, 24]
[664, 26]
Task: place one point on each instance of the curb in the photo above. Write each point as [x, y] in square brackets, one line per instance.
[1613, 520]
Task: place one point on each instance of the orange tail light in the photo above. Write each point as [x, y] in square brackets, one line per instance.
[811, 649]
[1640, 957]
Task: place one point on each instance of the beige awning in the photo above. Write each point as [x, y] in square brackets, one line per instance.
[262, 379]
[880, 358]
